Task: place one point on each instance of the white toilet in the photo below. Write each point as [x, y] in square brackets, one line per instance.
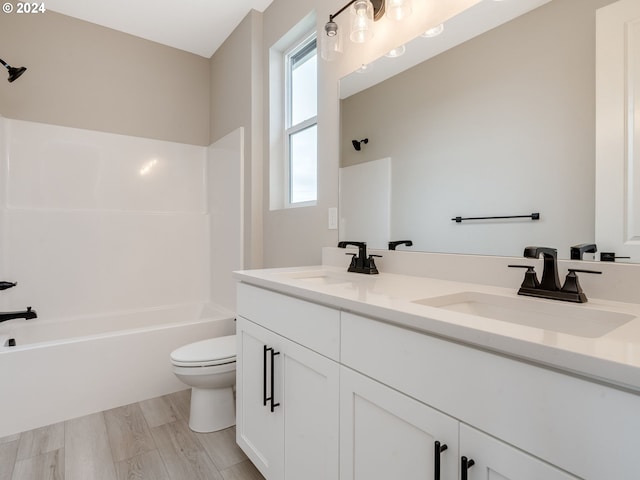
[209, 367]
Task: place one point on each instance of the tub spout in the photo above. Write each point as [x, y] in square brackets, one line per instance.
[27, 314]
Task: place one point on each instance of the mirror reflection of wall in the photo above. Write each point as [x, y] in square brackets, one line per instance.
[500, 125]
[366, 202]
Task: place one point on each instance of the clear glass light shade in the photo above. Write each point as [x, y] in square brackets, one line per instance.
[397, 9]
[396, 52]
[433, 32]
[331, 42]
[361, 20]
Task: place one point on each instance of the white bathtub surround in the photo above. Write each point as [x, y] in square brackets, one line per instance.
[63, 369]
[97, 222]
[225, 201]
[108, 229]
[53, 167]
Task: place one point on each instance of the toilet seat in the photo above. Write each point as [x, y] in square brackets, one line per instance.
[206, 353]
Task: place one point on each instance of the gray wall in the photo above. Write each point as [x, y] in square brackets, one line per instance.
[503, 124]
[86, 76]
[236, 101]
[295, 236]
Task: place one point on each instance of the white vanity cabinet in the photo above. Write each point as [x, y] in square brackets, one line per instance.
[515, 420]
[385, 434]
[357, 398]
[287, 394]
[495, 460]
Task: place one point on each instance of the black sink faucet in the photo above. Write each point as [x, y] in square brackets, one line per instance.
[577, 251]
[550, 280]
[549, 287]
[395, 243]
[360, 263]
[27, 314]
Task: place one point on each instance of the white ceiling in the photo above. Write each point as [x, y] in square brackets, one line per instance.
[196, 26]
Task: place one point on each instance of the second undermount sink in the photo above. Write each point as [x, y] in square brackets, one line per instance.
[560, 317]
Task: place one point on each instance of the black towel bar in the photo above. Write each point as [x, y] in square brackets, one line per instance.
[533, 216]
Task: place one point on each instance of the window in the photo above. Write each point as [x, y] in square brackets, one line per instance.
[301, 109]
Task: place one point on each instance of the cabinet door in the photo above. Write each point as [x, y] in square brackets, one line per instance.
[259, 432]
[385, 434]
[495, 460]
[299, 439]
[311, 413]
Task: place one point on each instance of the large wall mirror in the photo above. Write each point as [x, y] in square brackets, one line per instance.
[502, 124]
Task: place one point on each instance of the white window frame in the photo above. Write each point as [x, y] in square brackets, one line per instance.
[290, 130]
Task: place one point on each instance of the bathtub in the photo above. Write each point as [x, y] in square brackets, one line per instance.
[65, 368]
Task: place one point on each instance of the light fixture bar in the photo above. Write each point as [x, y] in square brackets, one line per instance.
[14, 72]
[378, 9]
[331, 43]
[331, 17]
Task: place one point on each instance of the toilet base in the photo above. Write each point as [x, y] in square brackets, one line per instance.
[212, 409]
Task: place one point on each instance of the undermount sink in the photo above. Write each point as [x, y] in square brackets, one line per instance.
[578, 320]
[318, 277]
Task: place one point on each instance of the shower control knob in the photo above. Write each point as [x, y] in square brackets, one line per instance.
[5, 285]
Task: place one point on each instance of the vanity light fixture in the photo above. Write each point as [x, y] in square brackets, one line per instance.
[362, 14]
[433, 32]
[398, 9]
[14, 72]
[396, 52]
[361, 21]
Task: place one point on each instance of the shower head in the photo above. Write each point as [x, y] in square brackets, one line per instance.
[358, 144]
[13, 71]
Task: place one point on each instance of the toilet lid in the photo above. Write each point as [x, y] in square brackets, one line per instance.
[213, 351]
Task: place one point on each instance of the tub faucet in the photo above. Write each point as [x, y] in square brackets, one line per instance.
[27, 314]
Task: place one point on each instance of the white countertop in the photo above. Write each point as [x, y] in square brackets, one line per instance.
[613, 358]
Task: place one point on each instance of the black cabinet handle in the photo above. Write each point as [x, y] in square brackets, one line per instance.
[438, 449]
[264, 376]
[465, 464]
[273, 404]
[268, 398]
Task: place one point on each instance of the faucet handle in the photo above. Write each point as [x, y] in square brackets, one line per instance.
[530, 277]
[354, 262]
[371, 267]
[581, 270]
[572, 285]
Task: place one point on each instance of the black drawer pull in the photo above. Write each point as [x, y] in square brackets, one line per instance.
[465, 464]
[268, 398]
[438, 449]
[273, 405]
[264, 376]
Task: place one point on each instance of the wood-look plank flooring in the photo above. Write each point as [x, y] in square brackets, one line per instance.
[148, 440]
